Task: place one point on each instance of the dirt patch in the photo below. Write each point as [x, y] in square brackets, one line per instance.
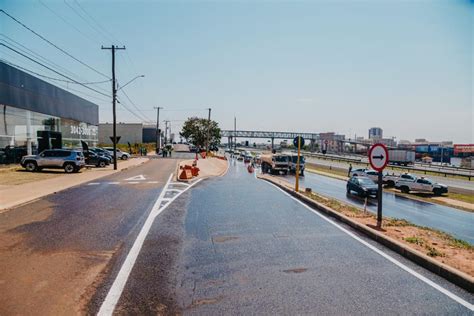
[296, 270]
[222, 239]
[440, 246]
[205, 301]
[21, 176]
[53, 283]
[25, 215]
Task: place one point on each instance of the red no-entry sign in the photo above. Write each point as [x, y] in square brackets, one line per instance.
[378, 156]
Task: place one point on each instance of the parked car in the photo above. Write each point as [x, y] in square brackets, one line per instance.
[363, 186]
[69, 160]
[120, 154]
[358, 172]
[102, 152]
[408, 183]
[91, 158]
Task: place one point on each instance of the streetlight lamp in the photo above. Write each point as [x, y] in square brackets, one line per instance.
[140, 76]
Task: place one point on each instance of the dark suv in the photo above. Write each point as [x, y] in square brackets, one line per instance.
[69, 160]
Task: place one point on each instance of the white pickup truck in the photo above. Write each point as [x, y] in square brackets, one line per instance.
[408, 182]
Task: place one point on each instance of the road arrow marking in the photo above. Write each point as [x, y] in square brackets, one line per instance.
[136, 178]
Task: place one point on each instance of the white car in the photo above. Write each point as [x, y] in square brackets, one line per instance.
[407, 183]
[120, 154]
[357, 173]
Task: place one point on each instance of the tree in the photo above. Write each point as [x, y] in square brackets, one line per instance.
[195, 132]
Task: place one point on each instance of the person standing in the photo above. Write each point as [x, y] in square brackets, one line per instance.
[350, 169]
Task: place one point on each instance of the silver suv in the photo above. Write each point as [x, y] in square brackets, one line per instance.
[69, 160]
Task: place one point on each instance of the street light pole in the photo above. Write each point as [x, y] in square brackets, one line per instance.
[208, 130]
[158, 134]
[114, 99]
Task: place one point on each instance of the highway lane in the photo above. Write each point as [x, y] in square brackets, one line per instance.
[55, 251]
[449, 181]
[453, 221]
[238, 245]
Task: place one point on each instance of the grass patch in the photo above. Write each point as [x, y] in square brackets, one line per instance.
[468, 198]
[415, 240]
[459, 243]
[398, 222]
[433, 252]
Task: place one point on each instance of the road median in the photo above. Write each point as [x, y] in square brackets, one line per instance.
[435, 251]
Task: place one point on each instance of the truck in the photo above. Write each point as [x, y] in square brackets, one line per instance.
[275, 163]
[408, 182]
[293, 161]
[401, 157]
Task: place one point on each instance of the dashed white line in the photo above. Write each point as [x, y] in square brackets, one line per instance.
[386, 256]
[93, 183]
[113, 296]
[114, 182]
[133, 182]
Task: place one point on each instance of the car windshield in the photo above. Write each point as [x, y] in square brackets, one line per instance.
[281, 158]
[365, 181]
[294, 159]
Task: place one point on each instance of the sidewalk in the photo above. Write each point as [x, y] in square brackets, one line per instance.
[14, 195]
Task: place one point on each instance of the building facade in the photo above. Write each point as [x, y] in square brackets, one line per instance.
[375, 133]
[36, 115]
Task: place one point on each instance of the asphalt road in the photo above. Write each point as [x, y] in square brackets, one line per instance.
[55, 251]
[454, 183]
[448, 219]
[238, 245]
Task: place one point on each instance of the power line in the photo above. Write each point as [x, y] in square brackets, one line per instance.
[67, 22]
[136, 107]
[54, 45]
[62, 75]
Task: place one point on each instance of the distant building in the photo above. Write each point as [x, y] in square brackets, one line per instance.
[375, 133]
[128, 132]
[331, 142]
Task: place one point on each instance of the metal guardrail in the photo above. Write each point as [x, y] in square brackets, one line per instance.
[420, 170]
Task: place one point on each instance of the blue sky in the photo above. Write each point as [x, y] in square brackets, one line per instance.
[310, 66]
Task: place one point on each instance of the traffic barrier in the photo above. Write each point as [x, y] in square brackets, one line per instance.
[203, 155]
[195, 171]
[186, 174]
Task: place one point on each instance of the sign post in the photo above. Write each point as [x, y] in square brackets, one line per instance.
[378, 159]
[298, 142]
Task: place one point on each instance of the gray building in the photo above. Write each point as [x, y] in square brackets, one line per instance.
[128, 132]
[36, 115]
[375, 133]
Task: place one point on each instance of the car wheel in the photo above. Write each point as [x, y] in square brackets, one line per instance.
[390, 183]
[405, 189]
[124, 157]
[69, 168]
[31, 166]
[437, 192]
[101, 164]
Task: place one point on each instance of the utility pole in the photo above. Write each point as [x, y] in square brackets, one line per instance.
[235, 133]
[114, 99]
[208, 130]
[158, 136]
[166, 131]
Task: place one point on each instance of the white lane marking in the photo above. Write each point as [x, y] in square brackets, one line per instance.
[111, 300]
[93, 183]
[179, 183]
[136, 178]
[383, 254]
[130, 182]
[114, 183]
[153, 182]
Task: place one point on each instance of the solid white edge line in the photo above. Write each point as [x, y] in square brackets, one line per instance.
[114, 293]
[383, 254]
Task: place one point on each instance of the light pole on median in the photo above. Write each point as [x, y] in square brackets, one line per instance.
[158, 134]
[140, 76]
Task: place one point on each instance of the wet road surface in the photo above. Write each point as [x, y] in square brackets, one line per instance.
[55, 251]
[237, 245]
[453, 221]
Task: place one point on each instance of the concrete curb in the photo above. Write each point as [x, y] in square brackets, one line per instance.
[451, 274]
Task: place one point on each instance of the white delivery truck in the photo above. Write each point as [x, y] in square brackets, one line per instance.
[401, 157]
